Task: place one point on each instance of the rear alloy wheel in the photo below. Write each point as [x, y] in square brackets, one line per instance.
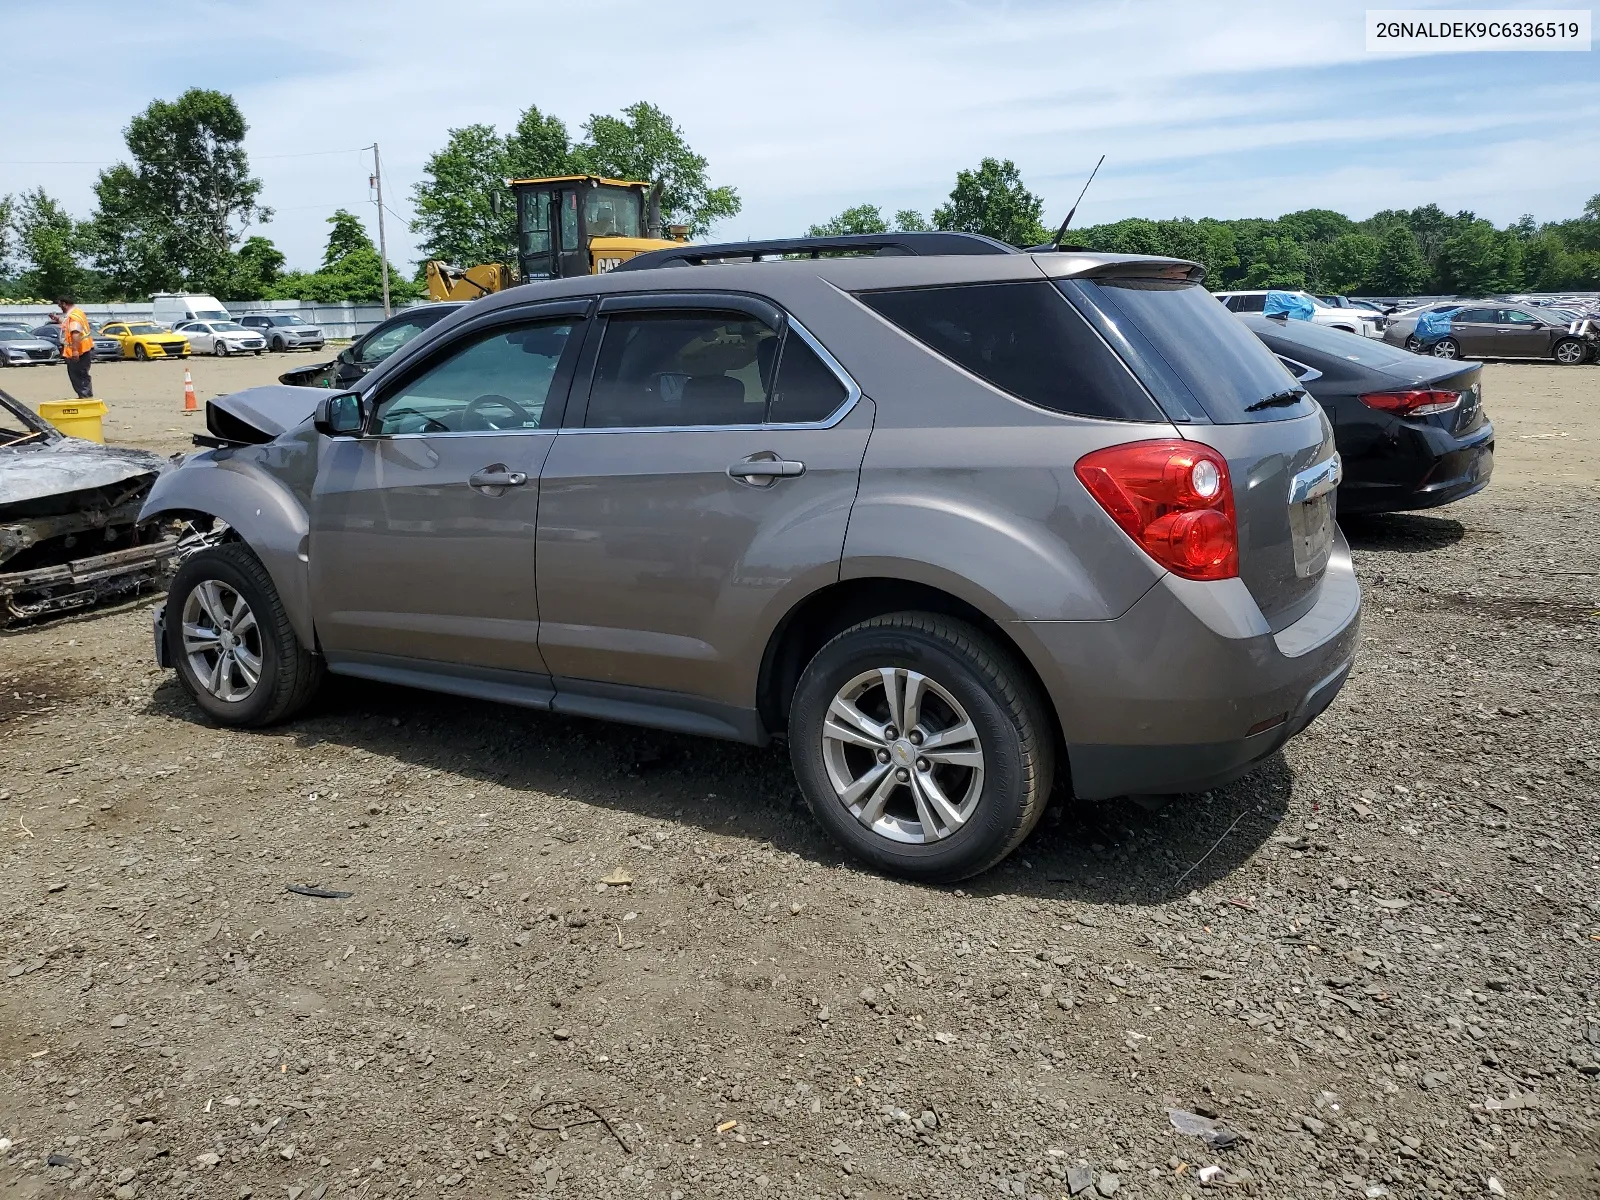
[1570, 352]
[141, 354]
[232, 643]
[1447, 348]
[921, 746]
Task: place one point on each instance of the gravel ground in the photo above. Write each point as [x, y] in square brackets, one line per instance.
[1372, 968]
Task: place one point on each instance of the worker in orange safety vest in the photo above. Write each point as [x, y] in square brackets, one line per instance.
[77, 345]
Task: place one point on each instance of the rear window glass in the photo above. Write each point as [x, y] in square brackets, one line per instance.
[805, 390]
[1289, 337]
[1197, 358]
[1024, 339]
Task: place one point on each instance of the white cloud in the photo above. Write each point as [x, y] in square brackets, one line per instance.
[1203, 109]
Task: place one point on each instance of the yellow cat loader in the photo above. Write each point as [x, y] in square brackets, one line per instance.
[566, 225]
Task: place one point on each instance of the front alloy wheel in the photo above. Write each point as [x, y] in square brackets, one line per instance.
[902, 755]
[1570, 352]
[222, 641]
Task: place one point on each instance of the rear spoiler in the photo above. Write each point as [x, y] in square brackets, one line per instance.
[887, 244]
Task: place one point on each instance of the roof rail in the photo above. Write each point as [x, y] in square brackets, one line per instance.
[895, 244]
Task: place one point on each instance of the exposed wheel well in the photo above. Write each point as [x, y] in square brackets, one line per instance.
[834, 609]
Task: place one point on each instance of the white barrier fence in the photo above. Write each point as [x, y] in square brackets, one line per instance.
[343, 320]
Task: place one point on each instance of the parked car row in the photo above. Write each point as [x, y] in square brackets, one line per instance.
[1349, 318]
[1497, 329]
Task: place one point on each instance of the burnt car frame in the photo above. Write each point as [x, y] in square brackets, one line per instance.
[70, 531]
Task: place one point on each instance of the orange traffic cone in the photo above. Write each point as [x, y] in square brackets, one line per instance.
[190, 404]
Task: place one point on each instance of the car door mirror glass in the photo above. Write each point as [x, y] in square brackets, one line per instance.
[339, 416]
[347, 355]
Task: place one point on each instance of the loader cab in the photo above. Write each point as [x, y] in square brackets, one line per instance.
[581, 225]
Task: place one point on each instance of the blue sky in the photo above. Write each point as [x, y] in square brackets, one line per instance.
[1202, 108]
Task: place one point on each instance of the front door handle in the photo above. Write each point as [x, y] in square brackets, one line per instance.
[765, 469]
[496, 477]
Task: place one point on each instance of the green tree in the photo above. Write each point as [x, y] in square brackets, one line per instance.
[909, 220]
[993, 201]
[1401, 269]
[863, 218]
[347, 235]
[538, 147]
[171, 217]
[1350, 263]
[454, 213]
[1479, 259]
[643, 143]
[253, 272]
[1280, 262]
[1547, 266]
[8, 239]
[49, 243]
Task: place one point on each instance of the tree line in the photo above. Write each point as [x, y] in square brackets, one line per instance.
[180, 215]
[1396, 252]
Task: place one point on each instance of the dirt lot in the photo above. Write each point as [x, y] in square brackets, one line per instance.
[1377, 960]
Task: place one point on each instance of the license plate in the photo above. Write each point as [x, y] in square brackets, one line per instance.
[1311, 525]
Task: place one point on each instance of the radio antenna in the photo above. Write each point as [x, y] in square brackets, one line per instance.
[1062, 232]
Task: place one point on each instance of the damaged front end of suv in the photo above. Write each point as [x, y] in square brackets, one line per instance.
[70, 533]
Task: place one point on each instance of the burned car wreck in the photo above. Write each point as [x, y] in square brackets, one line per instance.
[70, 533]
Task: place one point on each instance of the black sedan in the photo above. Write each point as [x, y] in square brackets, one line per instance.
[1410, 427]
[105, 348]
[371, 348]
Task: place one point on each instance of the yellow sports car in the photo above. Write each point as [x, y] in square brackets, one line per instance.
[145, 340]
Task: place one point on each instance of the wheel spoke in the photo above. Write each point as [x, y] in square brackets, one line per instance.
[249, 666]
[955, 758]
[197, 638]
[243, 625]
[239, 610]
[873, 777]
[854, 718]
[210, 602]
[219, 673]
[840, 732]
[879, 800]
[954, 736]
[891, 697]
[930, 795]
[911, 703]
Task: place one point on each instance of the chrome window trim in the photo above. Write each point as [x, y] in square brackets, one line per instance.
[851, 398]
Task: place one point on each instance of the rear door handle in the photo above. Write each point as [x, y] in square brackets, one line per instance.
[497, 476]
[766, 467]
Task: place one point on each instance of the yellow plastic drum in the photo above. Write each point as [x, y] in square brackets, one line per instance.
[75, 418]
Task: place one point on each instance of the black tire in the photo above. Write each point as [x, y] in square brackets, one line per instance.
[219, 348]
[140, 353]
[1574, 350]
[289, 675]
[1447, 348]
[277, 345]
[1013, 728]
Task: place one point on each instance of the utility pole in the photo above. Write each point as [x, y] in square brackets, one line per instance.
[383, 244]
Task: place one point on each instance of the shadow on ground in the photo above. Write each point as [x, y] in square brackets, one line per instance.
[1401, 533]
[1126, 851]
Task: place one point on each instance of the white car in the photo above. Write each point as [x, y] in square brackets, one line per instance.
[1351, 320]
[221, 337]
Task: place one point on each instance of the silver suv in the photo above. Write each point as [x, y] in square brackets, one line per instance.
[284, 331]
[959, 528]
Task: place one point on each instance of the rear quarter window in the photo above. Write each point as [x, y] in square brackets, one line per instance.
[1024, 339]
[1197, 358]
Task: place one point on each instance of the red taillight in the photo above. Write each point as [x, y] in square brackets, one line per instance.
[1172, 497]
[1417, 403]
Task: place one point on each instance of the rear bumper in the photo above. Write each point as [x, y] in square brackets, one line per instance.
[1449, 469]
[1190, 688]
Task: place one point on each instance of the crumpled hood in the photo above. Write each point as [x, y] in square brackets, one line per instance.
[259, 414]
[37, 471]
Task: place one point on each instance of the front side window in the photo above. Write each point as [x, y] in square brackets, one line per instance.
[1255, 303]
[1515, 316]
[660, 369]
[611, 212]
[569, 220]
[496, 381]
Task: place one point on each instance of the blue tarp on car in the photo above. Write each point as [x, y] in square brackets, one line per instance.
[1434, 326]
[1289, 304]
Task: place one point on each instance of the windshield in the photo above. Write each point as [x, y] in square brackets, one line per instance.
[8, 334]
[145, 329]
[211, 314]
[1197, 358]
[228, 327]
[612, 212]
[287, 319]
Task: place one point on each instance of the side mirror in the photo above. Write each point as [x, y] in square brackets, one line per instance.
[339, 416]
[347, 355]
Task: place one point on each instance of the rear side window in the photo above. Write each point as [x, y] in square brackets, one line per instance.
[805, 390]
[1024, 339]
[665, 369]
[1194, 356]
